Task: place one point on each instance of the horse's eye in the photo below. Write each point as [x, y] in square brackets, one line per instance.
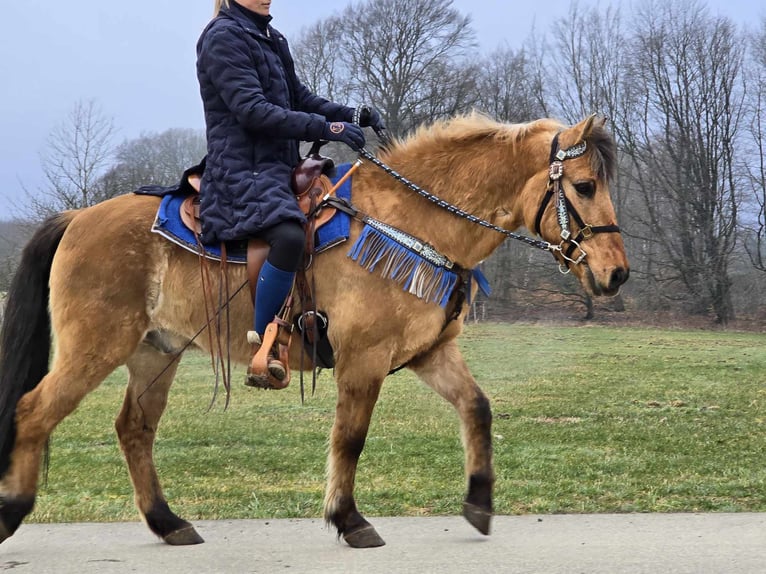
[585, 188]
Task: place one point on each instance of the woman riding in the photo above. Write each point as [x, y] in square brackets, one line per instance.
[256, 112]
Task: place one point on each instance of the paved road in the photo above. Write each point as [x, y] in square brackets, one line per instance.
[613, 544]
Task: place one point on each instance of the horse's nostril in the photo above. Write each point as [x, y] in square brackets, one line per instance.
[619, 276]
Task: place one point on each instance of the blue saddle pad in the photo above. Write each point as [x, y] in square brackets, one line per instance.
[168, 224]
[336, 231]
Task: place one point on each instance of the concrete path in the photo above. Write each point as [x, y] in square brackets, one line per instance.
[613, 544]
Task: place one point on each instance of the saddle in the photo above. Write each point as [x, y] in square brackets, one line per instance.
[310, 183]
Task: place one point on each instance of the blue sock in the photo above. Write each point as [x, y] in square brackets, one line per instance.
[273, 288]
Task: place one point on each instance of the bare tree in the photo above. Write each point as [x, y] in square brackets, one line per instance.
[505, 86]
[153, 159]
[584, 65]
[13, 236]
[755, 165]
[150, 159]
[679, 135]
[525, 282]
[401, 50]
[78, 152]
[317, 63]
[580, 72]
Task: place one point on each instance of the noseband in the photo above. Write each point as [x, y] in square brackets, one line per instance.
[564, 208]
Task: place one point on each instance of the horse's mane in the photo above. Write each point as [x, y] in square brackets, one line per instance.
[460, 130]
[604, 158]
[476, 126]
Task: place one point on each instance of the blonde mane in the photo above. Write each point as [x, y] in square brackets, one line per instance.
[465, 129]
[445, 135]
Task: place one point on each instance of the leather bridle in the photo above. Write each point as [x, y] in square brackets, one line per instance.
[564, 208]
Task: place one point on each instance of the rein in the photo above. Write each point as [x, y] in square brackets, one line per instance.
[563, 206]
[455, 210]
[177, 354]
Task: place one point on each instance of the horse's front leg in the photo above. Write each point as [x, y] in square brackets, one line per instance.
[444, 370]
[357, 394]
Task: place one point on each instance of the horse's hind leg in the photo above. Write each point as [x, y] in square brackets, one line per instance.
[444, 370]
[151, 374]
[37, 414]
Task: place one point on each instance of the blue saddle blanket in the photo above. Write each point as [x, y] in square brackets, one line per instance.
[168, 224]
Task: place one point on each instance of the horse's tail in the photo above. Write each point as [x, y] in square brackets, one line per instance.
[25, 338]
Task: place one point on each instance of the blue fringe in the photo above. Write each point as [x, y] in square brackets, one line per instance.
[482, 282]
[408, 269]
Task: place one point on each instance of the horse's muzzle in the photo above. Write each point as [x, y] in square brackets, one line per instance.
[618, 277]
[608, 285]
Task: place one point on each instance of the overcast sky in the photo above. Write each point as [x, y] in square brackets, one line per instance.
[136, 59]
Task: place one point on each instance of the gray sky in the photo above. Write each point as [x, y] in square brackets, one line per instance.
[136, 60]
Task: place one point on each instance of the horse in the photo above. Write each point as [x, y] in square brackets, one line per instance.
[105, 291]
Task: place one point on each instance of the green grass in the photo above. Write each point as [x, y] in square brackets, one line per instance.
[587, 419]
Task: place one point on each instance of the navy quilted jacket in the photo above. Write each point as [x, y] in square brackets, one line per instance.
[256, 111]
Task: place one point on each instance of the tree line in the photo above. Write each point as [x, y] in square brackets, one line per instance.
[684, 90]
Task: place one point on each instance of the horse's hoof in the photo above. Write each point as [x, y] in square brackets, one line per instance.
[477, 517]
[364, 537]
[12, 513]
[185, 536]
[4, 534]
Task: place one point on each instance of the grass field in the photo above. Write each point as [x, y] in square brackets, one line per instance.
[587, 419]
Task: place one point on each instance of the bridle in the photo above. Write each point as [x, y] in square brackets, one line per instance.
[567, 246]
[564, 208]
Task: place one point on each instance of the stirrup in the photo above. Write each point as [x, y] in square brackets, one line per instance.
[265, 370]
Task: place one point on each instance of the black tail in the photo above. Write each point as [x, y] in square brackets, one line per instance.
[25, 339]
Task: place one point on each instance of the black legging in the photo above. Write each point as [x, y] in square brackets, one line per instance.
[287, 241]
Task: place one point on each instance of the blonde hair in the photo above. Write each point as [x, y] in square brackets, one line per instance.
[218, 4]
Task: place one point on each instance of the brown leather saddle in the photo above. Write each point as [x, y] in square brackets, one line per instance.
[310, 184]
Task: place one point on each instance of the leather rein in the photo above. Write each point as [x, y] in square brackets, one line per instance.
[565, 249]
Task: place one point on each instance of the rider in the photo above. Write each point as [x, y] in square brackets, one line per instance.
[256, 111]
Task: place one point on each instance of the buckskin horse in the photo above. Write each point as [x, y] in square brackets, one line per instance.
[113, 293]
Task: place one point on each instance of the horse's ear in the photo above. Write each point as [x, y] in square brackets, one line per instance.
[585, 127]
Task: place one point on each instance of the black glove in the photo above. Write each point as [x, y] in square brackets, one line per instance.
[367, 116]
[349, 134]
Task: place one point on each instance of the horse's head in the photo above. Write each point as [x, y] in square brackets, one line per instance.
[575, 212]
